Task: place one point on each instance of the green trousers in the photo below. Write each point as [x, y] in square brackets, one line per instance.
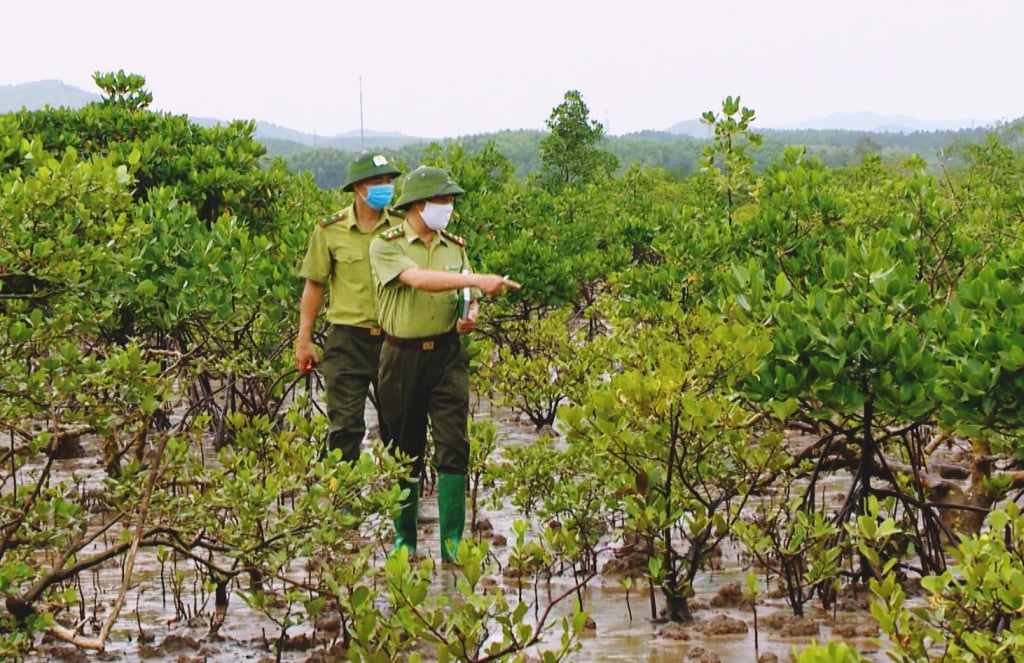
[421, 387]
[349, 367]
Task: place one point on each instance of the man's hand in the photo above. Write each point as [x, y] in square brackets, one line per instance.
[306, 358]
[468, 324]
[493, 285]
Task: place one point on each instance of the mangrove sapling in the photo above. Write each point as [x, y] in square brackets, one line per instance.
[543, 364]
[528, 559]
[833, 652]
[851, 352]
[726, 158]
[483, 441]
[525, 475]
[470, 622]
[668, 416]
[753, 591]
[793, 544]
[627, 584]
[557, 490]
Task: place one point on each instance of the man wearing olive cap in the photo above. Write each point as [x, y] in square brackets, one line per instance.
[337, 263]
[419, 269]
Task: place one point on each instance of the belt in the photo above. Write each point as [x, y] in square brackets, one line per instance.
[423, 342]
[362, 331]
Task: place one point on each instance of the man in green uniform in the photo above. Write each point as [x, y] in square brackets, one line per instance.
[337, 262]
[420, 269]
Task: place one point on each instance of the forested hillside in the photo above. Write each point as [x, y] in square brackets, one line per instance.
[676, 153]
[676, 150]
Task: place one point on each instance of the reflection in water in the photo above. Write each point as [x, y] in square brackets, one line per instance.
[624, 630]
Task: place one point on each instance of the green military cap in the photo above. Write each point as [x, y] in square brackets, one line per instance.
[426, 182]
[365, 166]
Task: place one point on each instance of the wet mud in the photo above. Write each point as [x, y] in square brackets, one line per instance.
[727, 627]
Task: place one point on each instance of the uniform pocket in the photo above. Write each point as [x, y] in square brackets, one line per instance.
[347, 256]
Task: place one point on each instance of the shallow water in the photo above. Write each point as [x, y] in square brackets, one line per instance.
[617, 636]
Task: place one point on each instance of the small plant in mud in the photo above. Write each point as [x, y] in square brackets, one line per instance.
[469, 620]
[330, 528]
[483, 441]
[752, 591]
[560, 496]
[544, 363]
[797, 546]
[672, 447]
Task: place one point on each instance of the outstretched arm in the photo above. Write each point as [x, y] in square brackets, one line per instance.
[431, 280]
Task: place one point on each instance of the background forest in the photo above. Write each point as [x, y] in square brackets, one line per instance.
[676, 149]
[679, 155]
[703, 343]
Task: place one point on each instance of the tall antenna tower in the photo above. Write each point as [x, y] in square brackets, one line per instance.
[361, 145]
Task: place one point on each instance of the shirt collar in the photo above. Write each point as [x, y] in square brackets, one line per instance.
[412, 236]
[383, 221]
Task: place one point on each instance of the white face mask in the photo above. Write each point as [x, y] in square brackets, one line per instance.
[436, 216]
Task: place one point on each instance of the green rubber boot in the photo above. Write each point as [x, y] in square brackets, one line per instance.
[405, 523]
[451, 512]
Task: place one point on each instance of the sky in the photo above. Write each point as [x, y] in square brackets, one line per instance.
[448, 68]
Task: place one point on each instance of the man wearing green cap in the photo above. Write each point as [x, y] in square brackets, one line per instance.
[419, 269]
[337, 263]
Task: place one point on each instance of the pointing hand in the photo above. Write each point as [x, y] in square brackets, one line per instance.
[493, 285]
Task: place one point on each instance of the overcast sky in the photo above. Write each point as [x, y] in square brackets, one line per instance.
[446, 68]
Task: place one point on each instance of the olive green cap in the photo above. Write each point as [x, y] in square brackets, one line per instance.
[426, 182]
[365, 166]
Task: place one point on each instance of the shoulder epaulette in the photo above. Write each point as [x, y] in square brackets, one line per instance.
[394, 233]
[334, 218]
[455, 238]
[395, 213]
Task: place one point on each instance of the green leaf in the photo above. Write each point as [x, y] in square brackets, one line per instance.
[146, 288]
[19, 332]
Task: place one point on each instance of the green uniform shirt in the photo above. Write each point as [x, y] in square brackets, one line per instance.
[408, 312]
[338, 256]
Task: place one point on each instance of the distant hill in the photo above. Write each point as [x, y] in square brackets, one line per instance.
[350, 140]
[875, 123]
[863, 121]
[837, 140]
[39, 94]
[833, 138]
[692, 128]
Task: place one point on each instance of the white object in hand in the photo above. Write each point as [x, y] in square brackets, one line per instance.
[467, 297]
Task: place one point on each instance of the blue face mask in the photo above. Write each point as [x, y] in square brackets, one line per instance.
[379, 195]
